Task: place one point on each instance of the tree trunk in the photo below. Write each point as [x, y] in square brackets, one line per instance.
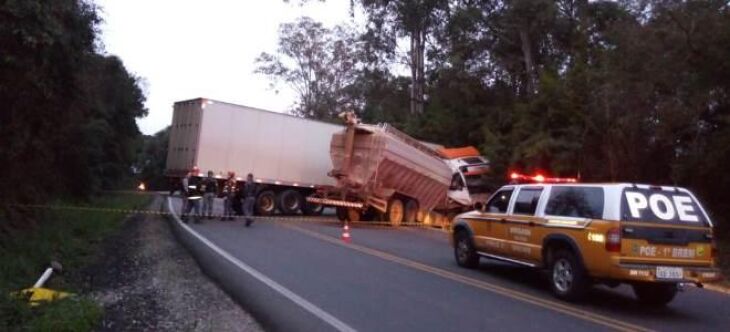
[417, 62]
[530, 80]
[421, 78]
[414, 73]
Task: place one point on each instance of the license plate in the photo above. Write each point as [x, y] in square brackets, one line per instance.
[664, 272]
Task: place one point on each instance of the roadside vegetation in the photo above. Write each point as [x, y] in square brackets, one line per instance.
[71, 237]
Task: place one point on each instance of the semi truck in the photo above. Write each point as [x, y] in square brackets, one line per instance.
[385, 174]
[287, 155]
[293, 158]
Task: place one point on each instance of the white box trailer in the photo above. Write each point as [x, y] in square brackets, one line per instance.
[288, 155]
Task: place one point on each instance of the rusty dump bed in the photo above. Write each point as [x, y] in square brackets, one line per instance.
[386, 161]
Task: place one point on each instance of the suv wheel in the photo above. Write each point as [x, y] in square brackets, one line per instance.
[466, 255]
[567, 276]
[655, 294]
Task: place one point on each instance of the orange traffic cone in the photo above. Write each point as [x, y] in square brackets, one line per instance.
[346, 233]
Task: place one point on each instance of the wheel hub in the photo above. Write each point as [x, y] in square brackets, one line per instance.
[461, 249]
[562, 275]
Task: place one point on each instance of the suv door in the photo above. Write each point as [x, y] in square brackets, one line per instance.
[521, 228]
[490, 226]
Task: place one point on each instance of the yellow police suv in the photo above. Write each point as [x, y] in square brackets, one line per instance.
[652, 237]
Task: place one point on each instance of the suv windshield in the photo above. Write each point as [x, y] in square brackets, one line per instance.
[579, 202]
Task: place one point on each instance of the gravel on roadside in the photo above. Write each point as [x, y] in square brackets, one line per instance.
[146, 281]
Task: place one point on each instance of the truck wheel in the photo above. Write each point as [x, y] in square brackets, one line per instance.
[411, 211]
[312, 209]
[289, 202]
[567, 276]
[354, 214]
[370, 214]
[341, 213]
[464, 252]
[266, 203]
[395, 211]
[655, 294]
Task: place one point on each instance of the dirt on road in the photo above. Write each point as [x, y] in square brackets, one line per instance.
[147, 281]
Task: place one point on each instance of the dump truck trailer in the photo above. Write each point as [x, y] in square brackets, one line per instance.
[288, 155]
[385, 174]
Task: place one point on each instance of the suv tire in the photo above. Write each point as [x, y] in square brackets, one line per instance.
[655, 294]
[568, 279]
[464, 252]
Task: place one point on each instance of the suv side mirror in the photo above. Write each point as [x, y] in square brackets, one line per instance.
[479, 206]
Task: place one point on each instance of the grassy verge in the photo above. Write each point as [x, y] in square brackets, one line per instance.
[71, 238]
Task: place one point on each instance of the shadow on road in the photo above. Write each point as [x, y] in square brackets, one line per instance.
[618, 300]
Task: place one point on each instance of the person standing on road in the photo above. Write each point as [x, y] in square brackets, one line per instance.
[210, 190]
[229, 195]
[184, 188]
[194, 196]
[249, 199]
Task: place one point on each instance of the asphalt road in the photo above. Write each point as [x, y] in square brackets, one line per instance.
[406, 280]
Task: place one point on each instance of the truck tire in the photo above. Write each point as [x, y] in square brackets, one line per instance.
[348, 214]
[396, 211]
[370, 214]
[341, 213]
[568, 279]
[289, 202]
[354, 214]
[312, 209]
[655, 294]
[266, 203]
[411, 211]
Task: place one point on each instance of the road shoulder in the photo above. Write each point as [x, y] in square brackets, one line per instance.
[147, 281]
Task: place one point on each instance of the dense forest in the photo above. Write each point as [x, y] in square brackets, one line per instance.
[67, 121]
[628, 90]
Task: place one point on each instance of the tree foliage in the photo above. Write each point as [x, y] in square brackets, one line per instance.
[319, 63]
[68, 117]
[623, 90]
[151, 160]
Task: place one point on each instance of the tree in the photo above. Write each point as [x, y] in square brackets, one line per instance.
[319, 63]
[413, 19]
[151, 160]
[68, 116]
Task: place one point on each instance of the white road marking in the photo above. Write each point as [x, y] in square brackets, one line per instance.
[306, 305]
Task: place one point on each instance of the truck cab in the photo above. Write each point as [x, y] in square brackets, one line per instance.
[469, 169]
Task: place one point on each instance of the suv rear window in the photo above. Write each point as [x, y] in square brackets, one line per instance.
[656, 205]
[526, 202]
[579, 202]
[500, 201]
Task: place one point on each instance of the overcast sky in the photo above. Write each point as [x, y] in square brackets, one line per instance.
[184, 49]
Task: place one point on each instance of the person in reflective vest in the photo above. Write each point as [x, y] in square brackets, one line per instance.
[194, 196]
